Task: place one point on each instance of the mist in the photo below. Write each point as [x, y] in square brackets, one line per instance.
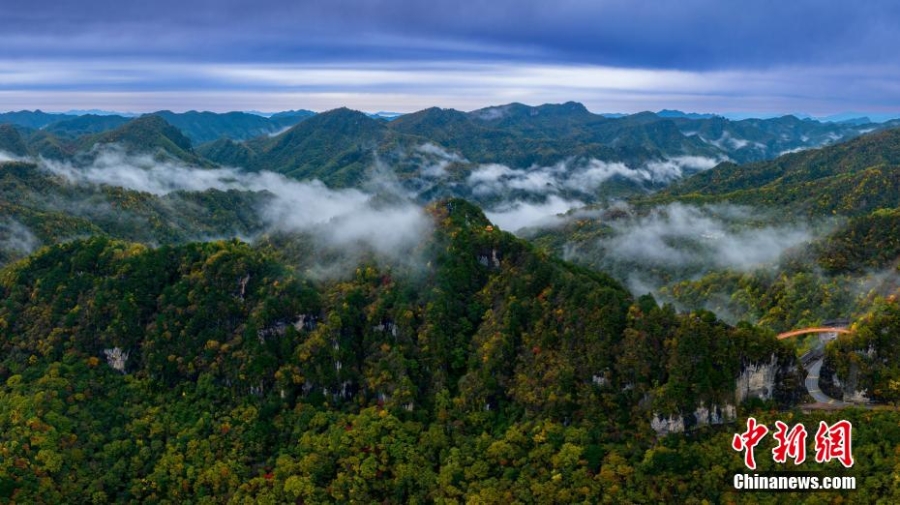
[17, 238]
[5, 156]
[337, 218]
[533, 197]
[516, 215]
[647, 250]
[580, 176]
[707, 237]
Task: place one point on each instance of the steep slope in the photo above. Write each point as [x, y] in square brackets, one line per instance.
[335, 146]
[852, 178]
[228, 152]
[48, 145]
[48, 209]
[216, 371]
[148, 134]
[787, 243]
[11, 141]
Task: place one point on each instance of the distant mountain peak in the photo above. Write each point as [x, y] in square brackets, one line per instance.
[388, 116]
[98, 112]
[149, 132]
[671, 113]
[341, 115]
[516, 109]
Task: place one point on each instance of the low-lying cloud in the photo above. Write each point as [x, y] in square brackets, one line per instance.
[433, 160]
[16, 237]
[336, 217]
[513, 216]
[5, 156]
[534, 196]
[580, 176]
[708, 237]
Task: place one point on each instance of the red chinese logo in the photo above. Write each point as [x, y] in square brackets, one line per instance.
[833, 442]
[747, 441]
[790, 443]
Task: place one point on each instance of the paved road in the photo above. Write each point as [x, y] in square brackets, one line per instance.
[812, 385]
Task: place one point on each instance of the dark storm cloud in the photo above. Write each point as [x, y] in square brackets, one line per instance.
[684, 34]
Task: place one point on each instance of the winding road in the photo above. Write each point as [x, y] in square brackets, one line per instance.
[812, 385]
[813, 360]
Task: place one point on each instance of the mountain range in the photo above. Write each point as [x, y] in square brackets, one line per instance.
[202, 307]
[338, 146]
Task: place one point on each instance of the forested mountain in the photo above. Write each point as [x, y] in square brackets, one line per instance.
[753, 241]
[852, 178]
[335, 147]
[32, 119]
[216, 370]
[147, 134]
[84, 125]
[200, 127]
[351, 346]
[228, 152]
[752, 139]
[50, 209]
[526, 136]
[11, 141]
[203, 127]
[515, 135]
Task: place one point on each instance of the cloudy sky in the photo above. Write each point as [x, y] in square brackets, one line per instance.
[813, 56]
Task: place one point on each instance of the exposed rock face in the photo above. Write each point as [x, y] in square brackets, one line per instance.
[243, 285]
[716, 415]
[116, 358]
[848, 391]
[702, 416]
[757, 380]
[666, 425]
[856, 396]
[777, 379]
[305, 322]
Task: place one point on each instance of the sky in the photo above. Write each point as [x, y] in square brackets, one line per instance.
[763, 57]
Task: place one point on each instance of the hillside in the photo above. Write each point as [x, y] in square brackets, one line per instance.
[336, 147]
[203, 127]
[303, 366]
[49, 209]
[216, 370]
[794, 241]
[32, 119]
[11, 141]
[579, 156]
[200, 127]
[85, 125]
[852, 178]
[147, 134]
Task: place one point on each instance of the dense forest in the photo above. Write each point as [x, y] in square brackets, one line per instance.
[216, 372]
[148, 355]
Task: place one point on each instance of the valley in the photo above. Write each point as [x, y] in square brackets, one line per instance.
[536, 304]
